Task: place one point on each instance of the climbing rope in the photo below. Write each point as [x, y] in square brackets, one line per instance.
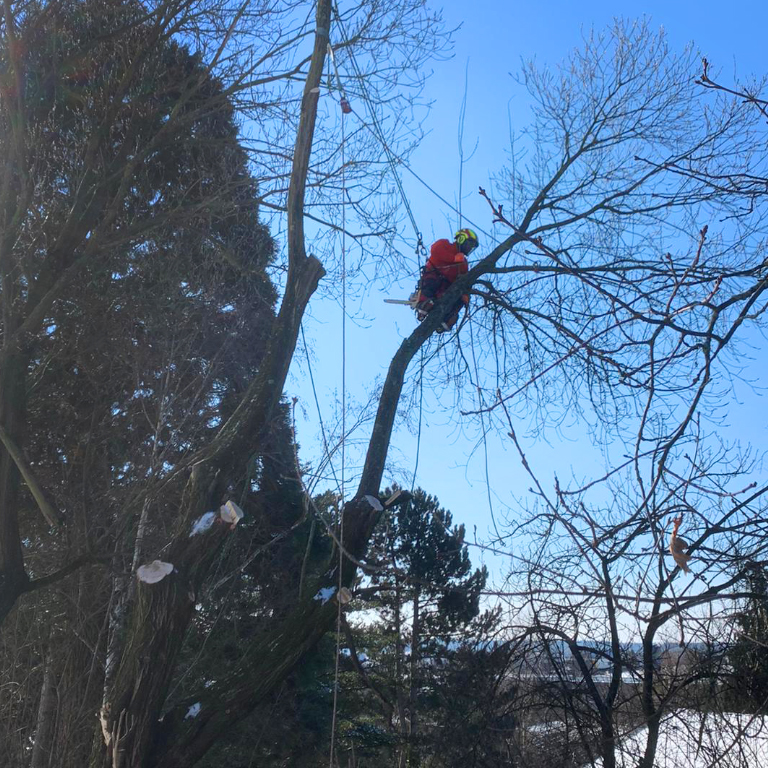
[323, 433]
[345, 110]
[480, 407]
[393, 160]
[421, 404]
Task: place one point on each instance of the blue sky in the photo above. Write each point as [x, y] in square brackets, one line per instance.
[493, 39]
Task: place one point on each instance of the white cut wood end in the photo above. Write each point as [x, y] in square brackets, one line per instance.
[231, 513]
[151, 573]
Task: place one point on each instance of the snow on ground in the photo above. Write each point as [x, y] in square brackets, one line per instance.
[690, 739]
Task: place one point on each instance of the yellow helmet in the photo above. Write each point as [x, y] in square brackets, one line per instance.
[466, 239]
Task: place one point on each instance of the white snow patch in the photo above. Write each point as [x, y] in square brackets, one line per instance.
[690, 739]
[231, 513]
[325, 594]
[194, 710]
[546, 728]
[375, 503]
[203, 524]
[151, 573]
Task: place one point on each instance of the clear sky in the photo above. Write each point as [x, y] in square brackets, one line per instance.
[495, 36]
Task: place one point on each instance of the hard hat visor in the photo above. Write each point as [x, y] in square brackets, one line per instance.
[466, 239]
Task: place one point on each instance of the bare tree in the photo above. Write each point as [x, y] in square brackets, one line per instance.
[633, 574]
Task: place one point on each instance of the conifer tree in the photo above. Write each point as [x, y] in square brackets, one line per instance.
[749, 654]
[426, 595]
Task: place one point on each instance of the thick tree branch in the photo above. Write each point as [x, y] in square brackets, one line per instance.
[52, 517]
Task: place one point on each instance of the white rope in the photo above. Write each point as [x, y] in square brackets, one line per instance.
[343, 423]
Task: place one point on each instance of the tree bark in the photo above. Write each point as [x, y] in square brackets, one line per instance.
[413, 692]
[46, 719]
[13, 577]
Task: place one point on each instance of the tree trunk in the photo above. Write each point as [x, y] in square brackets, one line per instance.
[400, 677]
[650, 710]
[13, 577]
[413, 750]
[46, 719]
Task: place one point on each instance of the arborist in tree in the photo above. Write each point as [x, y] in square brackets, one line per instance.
[447, 261]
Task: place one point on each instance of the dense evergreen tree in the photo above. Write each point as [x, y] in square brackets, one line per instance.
[749, 655]
[474, 703]
[135, 360]
[426, 595]
[421, 566]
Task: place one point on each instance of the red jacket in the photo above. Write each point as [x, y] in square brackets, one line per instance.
[446, 259]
